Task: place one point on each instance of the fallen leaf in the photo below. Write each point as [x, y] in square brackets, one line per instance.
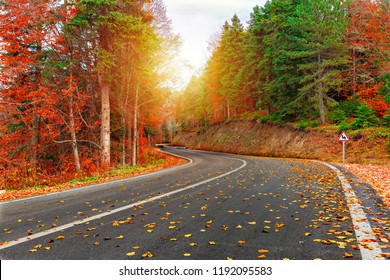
[307, 233]
[186, 254]
[115, 224]
[60, 237]
[131, 254]
[96, 243]
[261, 257]
[119, 237]
[241, 242]
[212, 243]
[193, 244]
[147, 254]
[47, 248]
[262, 251]
[251, 223]
[348, 255]
[187, 235]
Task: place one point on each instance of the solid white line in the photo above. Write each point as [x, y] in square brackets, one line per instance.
[361, 224]
[83, 221]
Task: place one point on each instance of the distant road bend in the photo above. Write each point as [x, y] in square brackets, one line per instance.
[217, 206]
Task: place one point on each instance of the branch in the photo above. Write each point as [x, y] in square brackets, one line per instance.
[81, 141]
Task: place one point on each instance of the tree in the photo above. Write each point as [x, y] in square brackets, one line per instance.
[320, 27]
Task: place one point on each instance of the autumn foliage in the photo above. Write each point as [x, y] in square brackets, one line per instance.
[55, 66]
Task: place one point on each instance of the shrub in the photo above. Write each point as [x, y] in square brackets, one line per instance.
[338, 116]
[343, 126]
[303, 124]
[386, 120]
[365, 117]
[315, 123]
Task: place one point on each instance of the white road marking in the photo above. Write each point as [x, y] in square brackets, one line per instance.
[361, 224]
[83, 221]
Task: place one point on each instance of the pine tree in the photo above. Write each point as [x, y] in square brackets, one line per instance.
[321, 51]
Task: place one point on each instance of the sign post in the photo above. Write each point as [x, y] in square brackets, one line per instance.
[343, 138]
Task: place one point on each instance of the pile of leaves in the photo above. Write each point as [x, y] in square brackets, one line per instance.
[376, 175]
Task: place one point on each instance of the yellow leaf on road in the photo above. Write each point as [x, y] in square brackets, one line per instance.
[148, 254]
[262, 251]
[131, 254]
[348, 255]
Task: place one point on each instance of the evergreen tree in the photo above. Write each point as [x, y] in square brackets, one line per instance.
[321, 52]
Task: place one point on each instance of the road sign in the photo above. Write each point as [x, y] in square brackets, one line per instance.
[343, 137]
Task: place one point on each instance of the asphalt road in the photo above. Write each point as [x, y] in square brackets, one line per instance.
[218, 206]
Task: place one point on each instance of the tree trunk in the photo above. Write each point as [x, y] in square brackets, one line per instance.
[135, 133]
[321, 97]
[105, 119]
[72, 128]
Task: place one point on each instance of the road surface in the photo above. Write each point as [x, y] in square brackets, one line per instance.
[217, 206]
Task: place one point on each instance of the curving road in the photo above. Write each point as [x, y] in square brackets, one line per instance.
[217, 206]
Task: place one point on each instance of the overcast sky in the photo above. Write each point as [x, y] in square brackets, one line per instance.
[197, 20]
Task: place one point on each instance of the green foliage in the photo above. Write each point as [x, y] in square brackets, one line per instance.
[338, 116]
[344, 126]
[303, 124]
[350, 107]
[386, 120]
[365, 117]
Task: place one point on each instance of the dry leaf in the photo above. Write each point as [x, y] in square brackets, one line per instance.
[147, 254]
[131, 254]
[186, 254]
[348, 255]
[187, 235]
[262, 251]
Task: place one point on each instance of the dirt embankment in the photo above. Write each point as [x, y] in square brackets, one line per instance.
[251, 138]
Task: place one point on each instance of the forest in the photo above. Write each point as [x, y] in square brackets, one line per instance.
[85, 85]
[307, 61]
[82, 86]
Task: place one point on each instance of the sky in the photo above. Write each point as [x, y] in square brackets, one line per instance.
[197, 20]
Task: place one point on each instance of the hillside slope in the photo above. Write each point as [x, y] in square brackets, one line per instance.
[251, 138]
